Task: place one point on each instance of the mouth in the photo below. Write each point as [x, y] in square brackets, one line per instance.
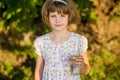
[58, 25]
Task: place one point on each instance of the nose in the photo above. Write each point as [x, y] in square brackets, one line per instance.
[58, 19]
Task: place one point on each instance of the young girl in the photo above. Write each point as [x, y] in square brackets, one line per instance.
[55, 48]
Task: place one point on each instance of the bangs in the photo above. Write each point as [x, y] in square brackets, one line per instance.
[61, 8]
[67, 8]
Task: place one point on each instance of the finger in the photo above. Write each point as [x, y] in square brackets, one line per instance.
[80, 54]
[79, 60]
[78, 63]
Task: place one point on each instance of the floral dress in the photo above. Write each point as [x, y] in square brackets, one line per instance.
[56, 56]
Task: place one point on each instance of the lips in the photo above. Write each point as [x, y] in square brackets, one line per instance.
[58, 25]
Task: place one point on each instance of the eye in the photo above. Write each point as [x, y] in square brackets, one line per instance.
[52, 15]
[62, 15]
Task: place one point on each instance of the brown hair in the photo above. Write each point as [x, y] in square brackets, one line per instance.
[68, 8]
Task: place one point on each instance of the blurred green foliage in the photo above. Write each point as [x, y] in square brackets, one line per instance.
[18, 17]
[16, 12]
[84, 7]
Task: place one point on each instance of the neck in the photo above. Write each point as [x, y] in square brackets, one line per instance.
[59, 37]
[60, 33]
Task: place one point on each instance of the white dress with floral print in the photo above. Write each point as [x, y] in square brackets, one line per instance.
[56, 56]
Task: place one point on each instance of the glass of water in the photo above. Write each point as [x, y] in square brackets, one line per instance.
[74, 69]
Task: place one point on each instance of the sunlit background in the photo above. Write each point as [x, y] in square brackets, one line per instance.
[20, 24]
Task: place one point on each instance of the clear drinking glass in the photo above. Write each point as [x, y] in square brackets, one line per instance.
[74, 69]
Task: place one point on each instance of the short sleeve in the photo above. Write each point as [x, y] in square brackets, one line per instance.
[83, 44]
[37, 46]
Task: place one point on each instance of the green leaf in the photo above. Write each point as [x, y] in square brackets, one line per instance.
[93, 16]
[18, 10]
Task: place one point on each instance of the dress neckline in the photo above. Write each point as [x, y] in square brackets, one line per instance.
[48, 36]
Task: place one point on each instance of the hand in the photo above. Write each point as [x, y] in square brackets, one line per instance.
[80, 61]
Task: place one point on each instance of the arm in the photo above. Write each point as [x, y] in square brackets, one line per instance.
[39, 68]
[83, 64]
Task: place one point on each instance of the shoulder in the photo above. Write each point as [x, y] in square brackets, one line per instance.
[40, 39]
[82, 42]
[79, 36]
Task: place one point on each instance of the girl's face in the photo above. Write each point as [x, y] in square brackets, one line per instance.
[58, 22]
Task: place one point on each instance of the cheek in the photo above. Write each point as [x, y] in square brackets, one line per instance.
[65, 21]
[51, 20]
